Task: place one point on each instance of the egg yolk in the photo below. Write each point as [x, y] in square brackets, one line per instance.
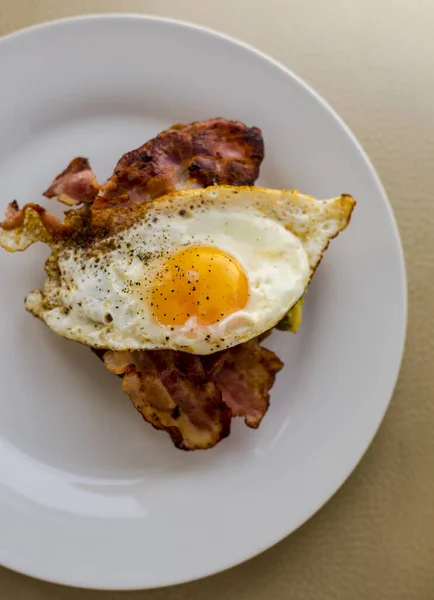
[201, 282]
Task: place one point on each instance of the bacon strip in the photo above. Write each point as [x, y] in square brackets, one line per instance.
[172, 392]
[204, 153]
[245, 379]
[194, 397]
[75, 185]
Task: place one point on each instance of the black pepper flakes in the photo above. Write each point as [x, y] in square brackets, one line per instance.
[176, 412]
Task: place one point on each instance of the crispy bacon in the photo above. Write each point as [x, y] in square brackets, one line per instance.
[75, 185]
[204, 153]
[172, 392]
[245, 379]
[194, 397]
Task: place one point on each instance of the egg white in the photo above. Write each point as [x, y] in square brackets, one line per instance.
[100, 296]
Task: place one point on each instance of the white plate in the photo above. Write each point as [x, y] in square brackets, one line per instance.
[92, 496]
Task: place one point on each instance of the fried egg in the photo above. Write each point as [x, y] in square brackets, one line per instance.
[198, 270]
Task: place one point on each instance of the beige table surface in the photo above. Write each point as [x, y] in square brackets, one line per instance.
[373, 60]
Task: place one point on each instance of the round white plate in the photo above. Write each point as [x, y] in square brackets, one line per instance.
[92, 496]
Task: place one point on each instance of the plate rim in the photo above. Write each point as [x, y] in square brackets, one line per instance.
[130, 16]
